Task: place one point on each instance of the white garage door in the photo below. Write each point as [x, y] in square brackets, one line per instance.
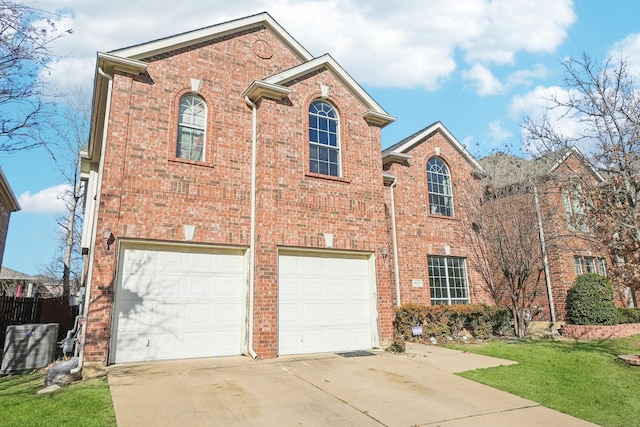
[178, 303]
[325, 303]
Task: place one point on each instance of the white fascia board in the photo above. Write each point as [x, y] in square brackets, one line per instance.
[215, 31]
[574, 150]
[14, 206]
[259, 89]
[120, 63]
[327, 61]
[439, 127]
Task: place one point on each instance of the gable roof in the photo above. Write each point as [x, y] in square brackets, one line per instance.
[167, 44]
[274, 86]
[7, 193]
[400, 150]
[508, 169]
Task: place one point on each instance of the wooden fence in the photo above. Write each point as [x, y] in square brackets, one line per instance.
[20, 311]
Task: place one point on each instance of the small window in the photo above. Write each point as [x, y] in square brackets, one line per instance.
[574, 209]
[577, 261]
[448, 280]
[191, 128]
[324, 139]
[602, 267]
[439, 184]
[591, 264]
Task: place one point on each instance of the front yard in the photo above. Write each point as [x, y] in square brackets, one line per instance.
[84, 403]
[581, 378]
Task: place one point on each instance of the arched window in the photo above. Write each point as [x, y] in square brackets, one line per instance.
[324, 139]
[439, 182]
[192, 122]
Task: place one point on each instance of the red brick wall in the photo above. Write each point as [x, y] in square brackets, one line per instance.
[563, 243]
[148, 194]
[595, 332]
[419, 233]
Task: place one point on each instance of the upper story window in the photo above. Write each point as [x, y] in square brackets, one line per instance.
[324, 139]
[439, 182]
[574, 209]
[191, 128]
[589, 265]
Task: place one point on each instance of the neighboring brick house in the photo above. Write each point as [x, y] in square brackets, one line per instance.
[432, 181]
[570, 249]
[235, 203]
[8, 204]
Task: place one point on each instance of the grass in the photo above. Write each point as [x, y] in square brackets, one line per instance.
[584, 379]
[84, 403]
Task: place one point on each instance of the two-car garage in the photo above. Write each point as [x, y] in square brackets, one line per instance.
[175, 302]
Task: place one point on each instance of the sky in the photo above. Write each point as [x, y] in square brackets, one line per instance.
[477, 66]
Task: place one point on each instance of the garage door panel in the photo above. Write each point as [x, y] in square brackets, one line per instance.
[338, 313]
[179, 303]
[311, 287]
[226, 286]
[357, 288]
[336, 288]
[324, 300]
[312, 314]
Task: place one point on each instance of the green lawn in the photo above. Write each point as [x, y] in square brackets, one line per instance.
[584, 379]
[84, 403]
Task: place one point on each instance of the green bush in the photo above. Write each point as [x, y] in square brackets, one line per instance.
[628, 315]
[590, 301]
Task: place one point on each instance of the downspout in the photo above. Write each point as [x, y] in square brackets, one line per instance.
[395, 241]
[252, 238]
[545, 262]
[94, 226]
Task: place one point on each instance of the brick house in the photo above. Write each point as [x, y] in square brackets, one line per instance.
[570, 249]
[235, 203]
[431, 178]
[8, 204]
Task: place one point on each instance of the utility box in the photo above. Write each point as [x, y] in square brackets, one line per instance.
[28, 347]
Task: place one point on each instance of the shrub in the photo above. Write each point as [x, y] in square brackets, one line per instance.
[628, 315]
[444, 322]
[590, 301]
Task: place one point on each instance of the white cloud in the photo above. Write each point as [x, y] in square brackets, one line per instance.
[47, 201]
[497, 133]
[411, 44]
[628, 49]
[484, 82]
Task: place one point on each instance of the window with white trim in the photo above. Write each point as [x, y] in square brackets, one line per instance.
[324, 139]
[192, 121]
[448, 280]
[574, 208]
[589, 265]
[439, 186]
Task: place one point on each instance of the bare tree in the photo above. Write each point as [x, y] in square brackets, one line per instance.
[603, 99]
[507, 248]
[64, 137]
[26, 35]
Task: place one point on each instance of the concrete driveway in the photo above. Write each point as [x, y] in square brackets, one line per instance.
[381, 389]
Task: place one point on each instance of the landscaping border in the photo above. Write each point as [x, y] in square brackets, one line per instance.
[600, 332]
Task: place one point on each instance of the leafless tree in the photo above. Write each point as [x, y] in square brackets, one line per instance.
[63, 138]
[26, 35]
[602, 98]
[507, 247]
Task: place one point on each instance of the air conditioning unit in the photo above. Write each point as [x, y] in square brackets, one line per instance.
[28, 347]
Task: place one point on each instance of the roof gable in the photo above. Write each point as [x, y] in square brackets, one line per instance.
[401, 149]
[201, 35]
[275, 87]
